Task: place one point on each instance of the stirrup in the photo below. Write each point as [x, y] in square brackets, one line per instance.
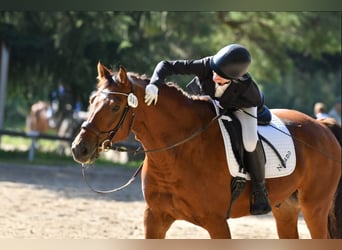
[259, 203]
[237, 186]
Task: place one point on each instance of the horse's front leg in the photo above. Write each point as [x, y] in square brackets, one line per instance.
[218, 228]
[156, 223]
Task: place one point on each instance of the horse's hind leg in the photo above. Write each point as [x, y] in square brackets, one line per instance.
[316, 218]
[286, 217]
[315, 202]
[335, 215]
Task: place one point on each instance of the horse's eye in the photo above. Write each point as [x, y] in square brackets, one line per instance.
[115, 108]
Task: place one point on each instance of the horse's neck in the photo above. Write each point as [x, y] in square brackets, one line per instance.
[174, 118]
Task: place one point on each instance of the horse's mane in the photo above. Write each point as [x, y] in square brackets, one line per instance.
[104, 83]
[143, 77]
[175, 86]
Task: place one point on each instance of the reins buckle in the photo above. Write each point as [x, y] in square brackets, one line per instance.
[106, 145]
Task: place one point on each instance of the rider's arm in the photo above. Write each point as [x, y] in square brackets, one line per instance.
[200, 67]
[165, 68]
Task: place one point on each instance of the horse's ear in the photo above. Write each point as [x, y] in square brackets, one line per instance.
[122, 75]
[102, 71]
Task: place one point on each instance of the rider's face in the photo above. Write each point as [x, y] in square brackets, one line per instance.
[220, 80]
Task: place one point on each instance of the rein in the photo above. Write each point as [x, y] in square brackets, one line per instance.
[132, 101]
[140, 150]
[84, 168]
[176, 144]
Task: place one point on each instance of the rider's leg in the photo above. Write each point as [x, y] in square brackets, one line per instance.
[255, 160]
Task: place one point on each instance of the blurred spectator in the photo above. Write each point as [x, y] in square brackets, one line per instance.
[320, 111]
[335, 112]
[78, 106]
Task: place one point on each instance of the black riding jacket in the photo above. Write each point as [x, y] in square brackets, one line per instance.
[240, 94]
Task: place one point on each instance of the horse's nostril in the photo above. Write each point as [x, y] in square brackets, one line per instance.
[83, 150]
[79, 150]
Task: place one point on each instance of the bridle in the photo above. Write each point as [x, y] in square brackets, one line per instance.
[132, 102]
[107, 143]
[112, 133]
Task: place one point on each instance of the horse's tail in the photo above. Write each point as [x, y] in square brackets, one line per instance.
[333, 126]
[335, 214]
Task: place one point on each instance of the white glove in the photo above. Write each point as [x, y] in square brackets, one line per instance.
[151, 94]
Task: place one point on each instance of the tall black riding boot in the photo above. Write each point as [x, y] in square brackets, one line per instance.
[259, 203]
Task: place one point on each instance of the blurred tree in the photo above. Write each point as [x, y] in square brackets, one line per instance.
[296, 55]
[271, 36]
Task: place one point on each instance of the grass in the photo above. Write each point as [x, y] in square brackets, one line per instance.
[41, 158]
[15, 150]
[53, 159]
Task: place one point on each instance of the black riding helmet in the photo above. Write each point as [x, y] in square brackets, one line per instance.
[231, 62]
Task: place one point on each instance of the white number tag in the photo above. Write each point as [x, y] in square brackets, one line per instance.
[132, 100]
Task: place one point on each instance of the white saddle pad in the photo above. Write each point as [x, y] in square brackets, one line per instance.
[279, 139]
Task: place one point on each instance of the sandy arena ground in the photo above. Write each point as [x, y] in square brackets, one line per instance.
[49, 202]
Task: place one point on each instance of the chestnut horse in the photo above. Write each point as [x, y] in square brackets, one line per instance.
[38, 119]
[190, 180]
[43, 117]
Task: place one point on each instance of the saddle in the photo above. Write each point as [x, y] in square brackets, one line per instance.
[275, 138]
[233, 127]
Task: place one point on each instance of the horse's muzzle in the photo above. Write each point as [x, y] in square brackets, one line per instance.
[83, 153]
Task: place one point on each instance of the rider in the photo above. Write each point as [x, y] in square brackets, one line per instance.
[224, 77]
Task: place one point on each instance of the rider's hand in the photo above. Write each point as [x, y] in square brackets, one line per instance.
[151, 94]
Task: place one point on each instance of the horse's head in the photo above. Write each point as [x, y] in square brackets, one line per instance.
[111, 114]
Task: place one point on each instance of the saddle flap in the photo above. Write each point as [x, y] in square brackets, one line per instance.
[276, 136]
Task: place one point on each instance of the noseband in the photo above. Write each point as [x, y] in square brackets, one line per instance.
[111, 133]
